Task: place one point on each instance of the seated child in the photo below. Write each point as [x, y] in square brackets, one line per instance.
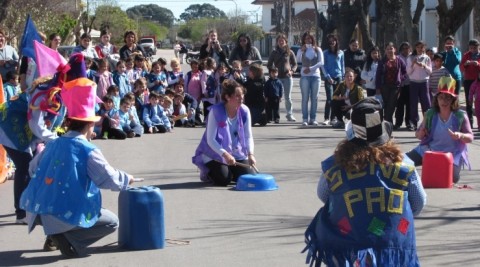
[167, 105]
[154, 118]
[237, 72]
[10, 86]
[114, 92]
[133, 111]
[110, 121]
[180, 116]
[190, 103]
[127, 119]
[157, 79]
[120, 78]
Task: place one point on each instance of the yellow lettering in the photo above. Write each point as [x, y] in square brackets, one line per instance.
[375, 195]
[334, 178]
[403, 181]
[351, 197]
[396, 194]
[354, 175]
[386, 170]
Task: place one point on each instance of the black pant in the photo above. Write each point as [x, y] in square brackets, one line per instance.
[403, 106]
[112, 132]
[337, 110]
[466, 87]
[390, 95]
[21, 179]
[273, 106]
[156, 128]
[222, 174]
[206, 109]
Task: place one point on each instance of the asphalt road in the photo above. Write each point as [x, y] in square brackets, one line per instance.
[212, 226]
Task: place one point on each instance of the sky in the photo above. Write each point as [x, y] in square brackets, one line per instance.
[179, 6]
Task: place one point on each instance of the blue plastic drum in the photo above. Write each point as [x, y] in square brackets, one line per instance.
[256, 182]
[141, 215]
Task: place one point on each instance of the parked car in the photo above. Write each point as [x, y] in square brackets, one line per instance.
[66, 50]
[148, 44]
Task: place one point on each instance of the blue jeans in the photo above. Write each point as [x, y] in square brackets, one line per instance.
[309, 86]
[287, 94]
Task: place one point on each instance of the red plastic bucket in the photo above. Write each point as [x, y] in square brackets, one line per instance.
[437, 170]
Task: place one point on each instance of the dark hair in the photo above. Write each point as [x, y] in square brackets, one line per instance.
[449, 38]
[129, 96]
[153, 94]
[162, 61]
[104, 32]
[193, 61]
[473, 42]
[402, 45]
[453, 106]
[170, 92]
[86, 35]
[77, 125]
[11, 75]
[283, 36]
[208, 35]
[127, 33]
[257, 70]
[352, 41]
[308, 35]
[107, 98]
[102, 62]
[438, 56]
[125, 100]
[414, 52]
[229, 87]
[120, 62]
[209, 62]
[51, 37]
[272, 69]
[335, 49]
[368, 63]
[249, 45]
[112, 88]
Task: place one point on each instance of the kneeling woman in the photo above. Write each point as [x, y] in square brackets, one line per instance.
[227, 140]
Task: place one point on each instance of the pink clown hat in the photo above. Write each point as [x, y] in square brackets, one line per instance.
[80, 98]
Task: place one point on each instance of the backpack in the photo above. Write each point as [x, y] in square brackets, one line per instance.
[211, 86]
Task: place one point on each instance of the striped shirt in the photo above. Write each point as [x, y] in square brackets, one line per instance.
[435, 77]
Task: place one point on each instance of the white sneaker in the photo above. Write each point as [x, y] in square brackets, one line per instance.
[304, 123]
[326, 122]
[291, 118]
[314, 123]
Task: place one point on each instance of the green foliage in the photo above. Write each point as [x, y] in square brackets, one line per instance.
[152, 28]
[197, 11]
[152, 12]
[115, 20]
[255, 32]
[64, 27]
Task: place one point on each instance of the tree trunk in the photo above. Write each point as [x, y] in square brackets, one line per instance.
[3, 9]
[416, 19]
[390, 22]
[367, 40]
[450, 19]
[476, 17]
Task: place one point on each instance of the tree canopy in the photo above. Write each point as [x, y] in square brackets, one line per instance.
[164, 16]
[198, 11]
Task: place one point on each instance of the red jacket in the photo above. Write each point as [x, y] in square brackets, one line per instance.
[470, 72]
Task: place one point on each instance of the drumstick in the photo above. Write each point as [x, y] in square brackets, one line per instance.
[138, 179]
[247, 166]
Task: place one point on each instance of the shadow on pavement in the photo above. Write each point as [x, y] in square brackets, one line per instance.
[184, 185]
[16, 258]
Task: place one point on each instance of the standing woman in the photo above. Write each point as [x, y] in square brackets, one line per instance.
[54, 41]
[8, 56]
[391, 72]
[130, 46]
[284, 60]
[85, 47]
[370, 70]
[334, 71]
[419, 68]
[212, 48]
[245, 53]
[228, 139]
[311, 57]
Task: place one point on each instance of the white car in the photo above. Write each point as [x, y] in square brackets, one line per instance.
[148, 44]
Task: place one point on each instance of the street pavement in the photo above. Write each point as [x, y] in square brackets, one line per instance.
[214, 226]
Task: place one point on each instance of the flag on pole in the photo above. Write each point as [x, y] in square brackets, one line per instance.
[47, 59]
[30, 34]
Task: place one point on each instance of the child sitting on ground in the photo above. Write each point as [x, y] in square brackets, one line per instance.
[103, 78]
[114, 92]
[110, 121]
[127, 119]
[154, 116]
[190, 103]
[133, 111]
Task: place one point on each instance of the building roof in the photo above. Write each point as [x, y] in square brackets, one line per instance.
[263, 2]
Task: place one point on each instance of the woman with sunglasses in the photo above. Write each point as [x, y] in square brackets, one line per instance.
[445, 128]
[245, 52]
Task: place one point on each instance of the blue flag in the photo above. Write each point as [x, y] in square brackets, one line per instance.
[29, 35]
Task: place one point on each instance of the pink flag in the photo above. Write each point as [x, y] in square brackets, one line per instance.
[47, 59]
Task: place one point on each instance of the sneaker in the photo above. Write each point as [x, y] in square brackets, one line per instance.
[65, 247]
[338, 125]
[304, 123]
[291, 118]
[49, 244]
[314, 123]
[105, 136]
[22, 221]
[326, 122]
[277, 121]
[131, 135]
